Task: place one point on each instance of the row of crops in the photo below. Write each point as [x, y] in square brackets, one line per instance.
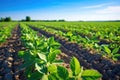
[40, 54]
[5, 31]
[100, 37]
[40, 59]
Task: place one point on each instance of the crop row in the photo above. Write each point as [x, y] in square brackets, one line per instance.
[40, 59]
[40, 55]
[108, 47]
[5, 31]
[108, 68]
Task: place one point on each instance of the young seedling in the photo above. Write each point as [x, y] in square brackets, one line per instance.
[112, 53]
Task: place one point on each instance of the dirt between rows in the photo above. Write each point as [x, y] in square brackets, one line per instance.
[9, 60]
[108, 68]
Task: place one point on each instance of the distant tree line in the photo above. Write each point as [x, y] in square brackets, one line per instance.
[7, 19]
[28, 18]
[62, 20]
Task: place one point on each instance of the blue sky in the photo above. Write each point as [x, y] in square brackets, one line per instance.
[61, 9]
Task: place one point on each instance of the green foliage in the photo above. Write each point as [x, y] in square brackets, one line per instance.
[5, 31]
[107, 50]
[71, 36]
[91, 35]
[41, 53]
[90, 75]
[75, 66]
[111, 53]
[40, 59]
[78, 71]
[52, 68]
[62, 73]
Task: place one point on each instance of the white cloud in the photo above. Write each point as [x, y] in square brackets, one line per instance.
[110, 9]
[97, 6]
[91, 17]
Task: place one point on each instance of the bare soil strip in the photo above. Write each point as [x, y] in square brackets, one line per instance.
[9, 60]
[109, 69]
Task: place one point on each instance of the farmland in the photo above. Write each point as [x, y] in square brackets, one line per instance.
[59, 50]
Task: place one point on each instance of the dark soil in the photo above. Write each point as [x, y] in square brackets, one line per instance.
[66, 60]
[9, 60]
[108, 68]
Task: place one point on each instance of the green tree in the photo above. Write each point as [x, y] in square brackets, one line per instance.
[2, 19]
[28, 18]
[7, 19]
[61, 20]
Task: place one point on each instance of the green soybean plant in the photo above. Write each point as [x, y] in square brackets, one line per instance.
[5, 32]
[71, 36]
[113, 54]
[40, 61]
[40, 54]
[76, 72]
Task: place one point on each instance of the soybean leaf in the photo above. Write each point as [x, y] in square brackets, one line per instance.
[115, 50]
[21, 53]
[58, 61]
[55, 51]
[52, 68]
[30, 45]
[115, 59]
[42, 56]
[35, 76]
[90, 75]
[53, 76]
[55, 45]
[75, 66]
[51, 39]
[116, 56]
[72, 78]
[28, 71]
[44, 77]
[69, 34]
[38, 68]
[107, 49]
[62, 72]
[52, 43]
[51, 57]
[27, 64]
